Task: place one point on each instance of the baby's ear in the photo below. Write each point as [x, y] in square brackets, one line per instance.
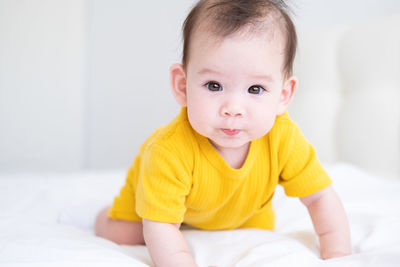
[288, 90]
[178, 83]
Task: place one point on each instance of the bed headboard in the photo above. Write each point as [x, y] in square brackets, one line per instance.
[348, 100]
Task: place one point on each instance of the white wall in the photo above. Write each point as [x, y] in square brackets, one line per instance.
[42, 82]
[131, 48]
[82, 83]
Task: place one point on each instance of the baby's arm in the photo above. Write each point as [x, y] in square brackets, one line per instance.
[166, 244]
[330, 223]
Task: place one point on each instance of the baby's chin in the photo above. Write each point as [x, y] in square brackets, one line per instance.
[229, 143]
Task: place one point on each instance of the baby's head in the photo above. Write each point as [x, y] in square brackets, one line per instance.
[236, 71]
[222, 18]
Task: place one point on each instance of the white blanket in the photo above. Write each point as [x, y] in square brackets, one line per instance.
[47, 220]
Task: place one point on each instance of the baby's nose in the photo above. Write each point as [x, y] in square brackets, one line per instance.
[231, 109]
[232, 113]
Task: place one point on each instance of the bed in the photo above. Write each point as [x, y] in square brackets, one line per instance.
[47, 219]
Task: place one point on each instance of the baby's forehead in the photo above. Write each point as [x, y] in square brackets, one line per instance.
[241, 52]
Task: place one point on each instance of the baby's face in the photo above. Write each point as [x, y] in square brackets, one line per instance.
[234, 87]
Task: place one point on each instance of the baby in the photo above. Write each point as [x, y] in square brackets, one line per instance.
[217, 164]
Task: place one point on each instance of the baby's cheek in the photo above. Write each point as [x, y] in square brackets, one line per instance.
[198, 120]
[264, 125]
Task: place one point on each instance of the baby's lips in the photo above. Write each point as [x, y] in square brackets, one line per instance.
[231, 132]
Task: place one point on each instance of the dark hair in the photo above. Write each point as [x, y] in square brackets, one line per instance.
[226, 17]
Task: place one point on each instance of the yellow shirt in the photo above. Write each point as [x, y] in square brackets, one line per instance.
[179, 177]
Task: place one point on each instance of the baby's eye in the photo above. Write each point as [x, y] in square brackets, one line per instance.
[213, 86]
[255, 89]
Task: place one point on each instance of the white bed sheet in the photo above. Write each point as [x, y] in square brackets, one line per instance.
[47, 220]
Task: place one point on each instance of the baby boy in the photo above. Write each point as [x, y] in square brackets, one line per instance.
[217, 164]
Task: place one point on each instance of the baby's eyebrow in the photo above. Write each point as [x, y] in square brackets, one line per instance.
[265, 77]
[253, 76]
[208, 71]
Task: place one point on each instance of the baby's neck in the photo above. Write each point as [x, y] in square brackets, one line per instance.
[235, 157]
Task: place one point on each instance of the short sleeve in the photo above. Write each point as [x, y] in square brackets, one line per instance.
[123, 207]
[163, 185]
[301, 172]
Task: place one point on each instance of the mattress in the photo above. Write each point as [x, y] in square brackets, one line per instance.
[47, 220]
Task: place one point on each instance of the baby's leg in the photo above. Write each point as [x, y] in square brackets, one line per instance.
[119, 231]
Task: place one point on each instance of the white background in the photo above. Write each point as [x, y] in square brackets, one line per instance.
[82, 83]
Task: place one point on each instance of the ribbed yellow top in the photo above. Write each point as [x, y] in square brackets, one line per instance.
[179, 177]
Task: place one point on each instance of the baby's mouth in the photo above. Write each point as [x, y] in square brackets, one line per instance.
[231, 132]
